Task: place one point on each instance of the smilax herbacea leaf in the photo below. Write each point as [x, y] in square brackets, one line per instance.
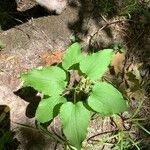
[45, 111]
[95, 65]
[106, 99]
[100, 97]
[75, 119]
[49, 81]
[71, 56]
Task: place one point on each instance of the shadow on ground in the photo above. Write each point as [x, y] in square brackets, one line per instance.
[35, 137]
[28, 94]
[10, 16]
[102, 14]
[137, 41]
[138, 31]
[91, 9]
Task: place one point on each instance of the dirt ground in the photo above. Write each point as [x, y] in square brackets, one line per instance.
[40, 41]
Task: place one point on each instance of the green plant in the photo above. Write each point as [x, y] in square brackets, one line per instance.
[129, 6]
[7, 137]
[113, 8]
[118, 47]
[124, 136]
[73, 89]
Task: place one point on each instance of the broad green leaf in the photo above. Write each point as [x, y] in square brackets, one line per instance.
[106, 99]
[71, 56]
[46, 108]
[95, 65]
[50, 80]
[75, 119]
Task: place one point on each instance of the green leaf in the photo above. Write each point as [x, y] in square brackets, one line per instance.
[75, 119]
[71, 56]
[50, 80]
[6, 138]
[46, 108]
[95, 65]
[1, 145]
[106, 100]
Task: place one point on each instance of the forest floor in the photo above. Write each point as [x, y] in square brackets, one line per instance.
[32, 38]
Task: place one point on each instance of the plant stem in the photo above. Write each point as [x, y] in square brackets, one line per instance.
[148, 132]
[137, 110]
[74, 96]
[108, 138]
[135, 144]
[51, 135]
[46, 132]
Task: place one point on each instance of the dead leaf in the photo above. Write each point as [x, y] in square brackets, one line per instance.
[137, 95]
[134, 69]
[6, 57]
[57, 57]
[10, 58]
[132, 82]
[117, 62]
[51, 58]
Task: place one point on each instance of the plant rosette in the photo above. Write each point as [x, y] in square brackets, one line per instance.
[74, 89]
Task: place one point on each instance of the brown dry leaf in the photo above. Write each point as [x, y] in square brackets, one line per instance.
[46, 57]
[137, 95]
[132, 82]
[134, 69]
[6, 58]
[57, 56]
[118, 122]
[10, 58]
[3, 57]
[51, 58]
[117, 62]
[133, 77]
